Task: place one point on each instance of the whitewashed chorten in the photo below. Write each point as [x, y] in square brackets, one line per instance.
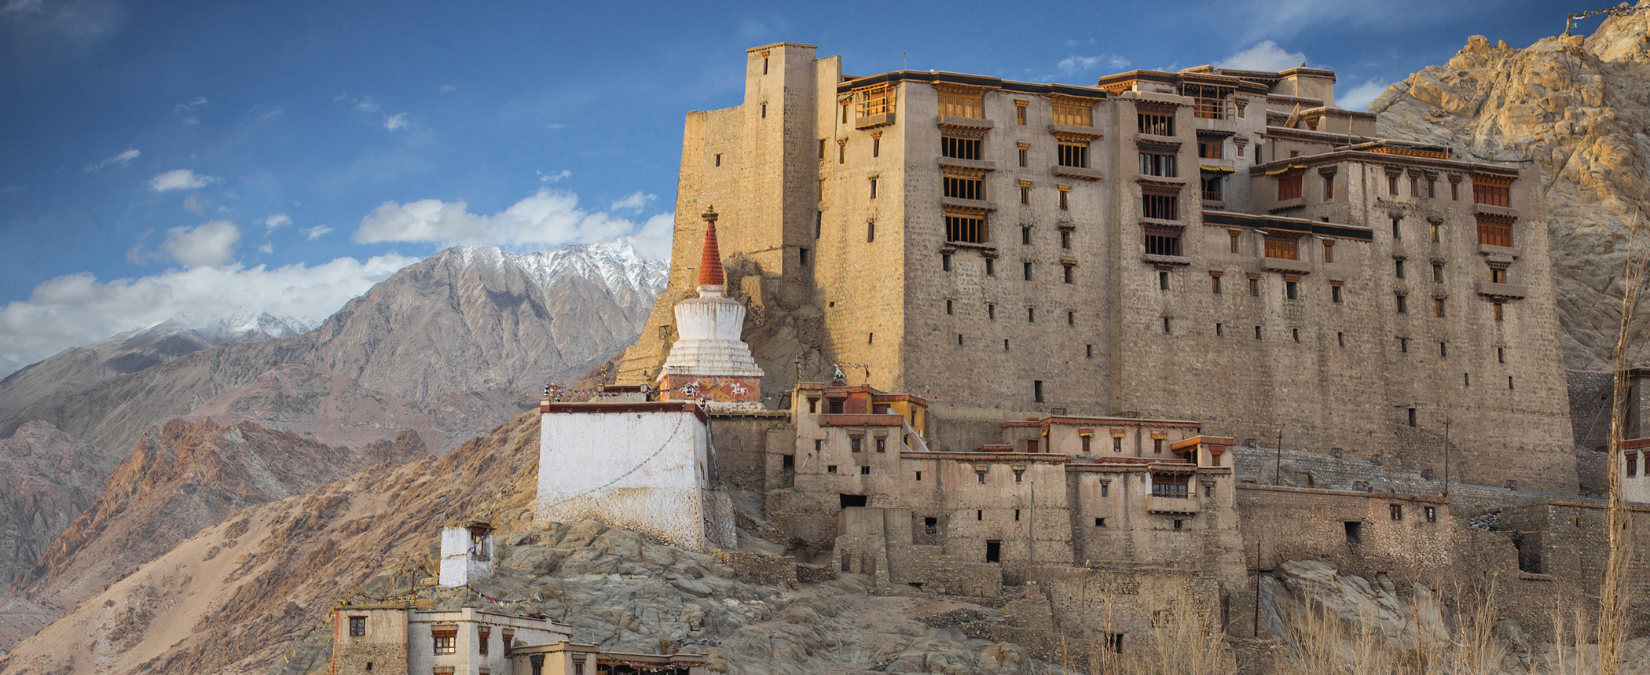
[708, 362]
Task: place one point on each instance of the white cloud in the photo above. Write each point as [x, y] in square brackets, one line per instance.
[316, 232]
[1359, 97]
[120, 160]
[266, 248]
[445, 88]
[77, 309]
[634, 202]
[546, 218]
[277, 220]
[553, 177]
[654, 239]
[397, 121]
[555, 125]
[1266, 55]
[186, 107]
[366, 105]
[1074, 64]
[208, 245]
[180, 179]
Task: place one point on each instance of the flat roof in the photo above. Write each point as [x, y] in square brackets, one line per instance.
[625, 407]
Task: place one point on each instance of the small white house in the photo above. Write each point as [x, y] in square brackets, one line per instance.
[396, 638]
[466, 553]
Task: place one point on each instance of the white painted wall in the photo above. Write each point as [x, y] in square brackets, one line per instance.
[467, 658]
[646, 472]
[460, 565]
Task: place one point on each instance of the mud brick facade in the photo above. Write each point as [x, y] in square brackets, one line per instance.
[1211, 244]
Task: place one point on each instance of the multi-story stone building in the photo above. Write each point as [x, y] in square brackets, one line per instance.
[1211, 244]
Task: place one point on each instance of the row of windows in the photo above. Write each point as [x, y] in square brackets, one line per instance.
[1068, 273]
[991, 312]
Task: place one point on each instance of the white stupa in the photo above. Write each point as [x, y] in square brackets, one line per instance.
[708, 362]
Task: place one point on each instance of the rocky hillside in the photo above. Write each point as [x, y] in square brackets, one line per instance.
[449, 347]
[1580, 110]
[181, 478]
[46, 479]
[251, 595]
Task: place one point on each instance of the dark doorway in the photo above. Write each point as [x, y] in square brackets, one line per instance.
[1354, 532]
[993, 551]
[852, 500]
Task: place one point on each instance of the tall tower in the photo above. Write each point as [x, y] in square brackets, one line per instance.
[709, 362]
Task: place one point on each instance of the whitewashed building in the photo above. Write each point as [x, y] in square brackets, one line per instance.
[399, 639]
[466, 553]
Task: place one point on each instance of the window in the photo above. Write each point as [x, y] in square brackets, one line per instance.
[1234, 235]
[1433, 231]
[1156, 124]
[1497, 311]
[945, 262]
[1632, 464]
[819, 223]
[1074, 114]
[1329, 250]
[1100, 522]
[1161, 207]
[1114, 643]
[919, 480]
[1005, 344]
[1509, 382]
[1254, 286]
[876, 145]
[870, 231]
[1037, 390]
[1500, 354]
[1025, 234]
[1023, 150]
[1353, 531]
[991, 312]
[1214, 187]
[963, 187]
[1414, 185]
[764, 65]
[1065, 238]
[865, 471]
[718, 159]
[802, 255]
[1074, 154]
[830, 469]
[1432, 187]
[1214, 283]
[1454, 190]
[483, 636]
[1162, 243]
[873, 188]
[446, 640]
[1466, 379]
[1018, 476]
[948, 307]
[1498, 275]
[1397, 231]
[1437, 306]
[1403, 307]
[509, 635]
[1116, 446]
[968, 229]
[1209, 149]
[1162, 281]
[1154, 164]
[1328, 187]
[1412, 417]
[1178, 524]
[1437, 273]
[1495, 232]
[1068, 271]
[1398, 268]
[1157, 445]
[1064, 199]
[979, 477]
[1025, 193]
[841, 152]
[1172, 486]
[876, 101]
[954, 104]
[1031, 315]
[1490, 195]
[357, 626]
[993, 551]
[1431, 513]
[930, 526]
[1220, 330]
[822, 148]
[1397, 511]
[959, 148]
[1088, 351]
[1443, 350]
[1026, 270]
[854, 443]
[1340, 339]
[1020, 111]
[1286, 249]
[845, 113]
[1295, 333]
[1403, 345]
[1289, 187]
[1166, 329]
[1335, 293]
[1392, 184]
[1291, 292]
[764, 111]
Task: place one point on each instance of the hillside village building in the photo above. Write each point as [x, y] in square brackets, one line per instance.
[1211, 244]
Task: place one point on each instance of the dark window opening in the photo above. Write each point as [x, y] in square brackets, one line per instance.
[1074, 155]
[1099, 522]
[1412, 417]
[1152, 164]
[851, 500]
[993, 551]
[961, 187]
[931, 526]
[960, 148]
[1037, 389]
[1431, 513]
[865, 471]
[1156, 125]
[1162, 244]
[1161, 207]
[1354, 532]
[1162, 281]
[965, 229]
[788, 464]
[1397, 511]
[1026, 270]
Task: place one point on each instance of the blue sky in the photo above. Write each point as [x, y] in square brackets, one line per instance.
[214, 158]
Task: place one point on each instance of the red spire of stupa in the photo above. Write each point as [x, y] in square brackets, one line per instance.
[710, 262]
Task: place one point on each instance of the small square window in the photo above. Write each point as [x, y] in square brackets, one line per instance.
[1397, 511]
[830, 469]
[357, 626]
[979, 476]
[864, 471]
[1099, 522]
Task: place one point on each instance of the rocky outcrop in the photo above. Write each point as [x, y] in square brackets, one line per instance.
[181, 478]
[1578, 109]
[47, 478]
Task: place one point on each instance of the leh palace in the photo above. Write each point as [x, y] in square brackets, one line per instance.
[1097, 355]
[1157, 335]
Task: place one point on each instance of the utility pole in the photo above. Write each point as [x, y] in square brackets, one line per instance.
[1277, 474]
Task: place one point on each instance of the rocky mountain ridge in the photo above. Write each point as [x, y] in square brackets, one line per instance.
[1579, 108]
[47, 478]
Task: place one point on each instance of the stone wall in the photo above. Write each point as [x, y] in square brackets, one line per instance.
[1359, 533]
[742, 442]
[767, 570]
[1258, 465]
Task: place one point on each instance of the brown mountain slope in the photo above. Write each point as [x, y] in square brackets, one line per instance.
[231, 598]
[1578, 109]
[181, 478]
[46, 479]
